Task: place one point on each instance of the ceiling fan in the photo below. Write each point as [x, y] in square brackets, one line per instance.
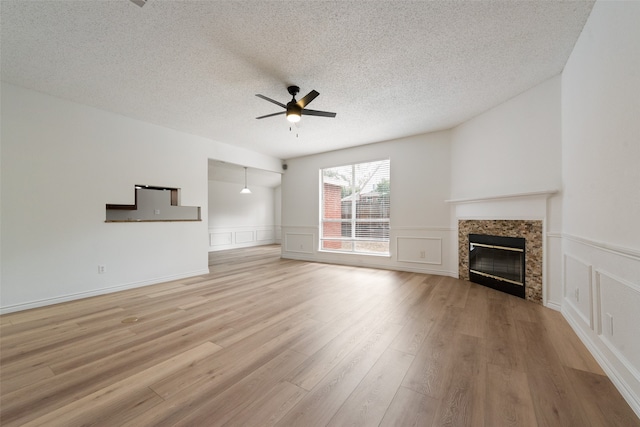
[295, 109]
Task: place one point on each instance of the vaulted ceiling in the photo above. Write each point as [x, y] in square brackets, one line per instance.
[387, 68]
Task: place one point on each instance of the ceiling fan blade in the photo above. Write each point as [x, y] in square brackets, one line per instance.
[307, 98]
[271, 100]
[317, 113]
[271, 115]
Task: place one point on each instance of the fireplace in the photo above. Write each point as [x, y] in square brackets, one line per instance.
[529, 230]
[498, 262]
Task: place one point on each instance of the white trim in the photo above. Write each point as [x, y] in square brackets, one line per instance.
[101, 291]
[501, 217]
[242, 227]
[417, 261]
[300, 227]
[618, 381]
[244, 236]
[554, 306]
[545, 193]
[424, 228]
[618, 250]
[345, 261]
[589, 321]
[286, 243]
[391, 227]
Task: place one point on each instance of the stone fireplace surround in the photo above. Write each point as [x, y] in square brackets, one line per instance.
[531, 230]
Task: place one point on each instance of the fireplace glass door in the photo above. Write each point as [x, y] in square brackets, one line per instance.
[498, 262]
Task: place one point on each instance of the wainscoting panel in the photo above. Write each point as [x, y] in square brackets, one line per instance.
[244, 236]
[619, 317]
[578, 288]
[299, 242]
[262, 235]
[222, 238]
[407, 243]
[423, 250]
[611, 275]
[219, 239]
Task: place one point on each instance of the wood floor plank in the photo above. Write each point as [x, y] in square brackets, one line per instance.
[431, 369]
[369, 401]
[501, 337]
[509, 401]
[269, 409]
[598, 399]
[73, 384]
[568, 345]
[554, 400]
[245, 356]
[265, 341]
[410, 409]
[420, 321]
[103, 402]
[25, 377]
[463, 402]
[474, 316]
[321, 403]
[242, 394]
[317, 365]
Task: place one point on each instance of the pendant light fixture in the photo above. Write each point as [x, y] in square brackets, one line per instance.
[245, 190]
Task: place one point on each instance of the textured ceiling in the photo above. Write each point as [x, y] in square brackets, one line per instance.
[387, 68]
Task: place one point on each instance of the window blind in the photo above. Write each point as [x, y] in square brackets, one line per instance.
[356, 204]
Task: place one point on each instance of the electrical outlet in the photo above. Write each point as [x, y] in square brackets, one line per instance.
[102, 269]
[423, 254]
[156, 212]
[610, 316]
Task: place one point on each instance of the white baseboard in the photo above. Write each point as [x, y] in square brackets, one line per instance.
[616, 377]
[96, 292]
[303, 257]
[554, 306]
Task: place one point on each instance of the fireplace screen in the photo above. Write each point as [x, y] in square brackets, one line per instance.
[498, 262]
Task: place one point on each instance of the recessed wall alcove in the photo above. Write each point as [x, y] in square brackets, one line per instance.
[153, 204]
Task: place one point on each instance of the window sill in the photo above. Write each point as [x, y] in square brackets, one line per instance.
[380, 255]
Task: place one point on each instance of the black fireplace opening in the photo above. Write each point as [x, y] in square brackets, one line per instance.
[498, 262]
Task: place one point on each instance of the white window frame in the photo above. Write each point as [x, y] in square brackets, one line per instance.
[353, 221]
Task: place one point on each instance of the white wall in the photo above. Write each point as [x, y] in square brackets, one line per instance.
[419, 215]
[61, 163]
[601, 174]
[515, 149]
[240, 220]
[278, 213]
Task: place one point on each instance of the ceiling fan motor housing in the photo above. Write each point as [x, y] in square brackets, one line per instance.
[293, 108]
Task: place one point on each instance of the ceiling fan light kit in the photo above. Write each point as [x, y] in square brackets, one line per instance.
[294, 112]
[295, 109]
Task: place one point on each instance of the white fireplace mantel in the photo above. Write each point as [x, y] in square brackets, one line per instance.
[530, 205]
[545, 193]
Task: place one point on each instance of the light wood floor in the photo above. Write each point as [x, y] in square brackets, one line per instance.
[264, 341]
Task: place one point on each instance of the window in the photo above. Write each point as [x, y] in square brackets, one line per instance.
[355, 203]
